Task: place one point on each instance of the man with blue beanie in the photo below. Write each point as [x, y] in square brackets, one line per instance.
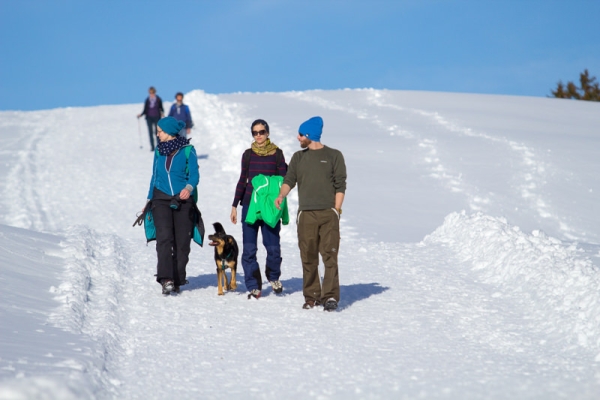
[320, 173]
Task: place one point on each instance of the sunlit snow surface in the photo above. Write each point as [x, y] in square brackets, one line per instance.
[468, 264]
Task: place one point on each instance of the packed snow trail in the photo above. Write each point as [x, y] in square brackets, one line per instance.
[475, 308]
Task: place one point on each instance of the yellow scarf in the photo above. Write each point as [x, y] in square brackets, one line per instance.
[267, 149]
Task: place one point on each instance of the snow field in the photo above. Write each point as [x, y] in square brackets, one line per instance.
[469, 306]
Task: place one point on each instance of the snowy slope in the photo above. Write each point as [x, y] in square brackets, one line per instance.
[469, 258]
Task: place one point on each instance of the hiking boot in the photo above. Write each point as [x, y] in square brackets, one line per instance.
[254, 293]
[277, 286]
[330, 305]
[311, 304]
[167, 286]
[178, 287]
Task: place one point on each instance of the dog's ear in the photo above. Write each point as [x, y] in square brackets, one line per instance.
[218, 228]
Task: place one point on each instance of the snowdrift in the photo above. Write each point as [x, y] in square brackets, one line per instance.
[557, 279]
[39, 360]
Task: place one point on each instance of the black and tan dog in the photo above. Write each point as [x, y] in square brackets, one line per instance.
[226, 256]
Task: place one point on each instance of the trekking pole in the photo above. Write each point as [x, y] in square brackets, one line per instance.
[140, 133]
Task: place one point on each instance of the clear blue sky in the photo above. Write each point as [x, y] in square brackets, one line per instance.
[90, 52]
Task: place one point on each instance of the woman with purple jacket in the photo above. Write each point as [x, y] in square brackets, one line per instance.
[153, 110]
[265, 158]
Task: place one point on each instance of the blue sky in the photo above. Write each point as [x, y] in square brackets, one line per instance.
[82, 53]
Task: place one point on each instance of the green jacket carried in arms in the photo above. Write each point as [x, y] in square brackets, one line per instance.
[262, 203]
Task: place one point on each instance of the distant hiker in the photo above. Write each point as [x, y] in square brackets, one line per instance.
[153, 110]
[265, 160]
[173, 184]
[320, 173]
[181, 112]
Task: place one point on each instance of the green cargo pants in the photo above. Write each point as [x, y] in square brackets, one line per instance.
[319, 232]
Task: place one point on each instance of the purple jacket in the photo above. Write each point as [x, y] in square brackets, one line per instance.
[157, 111]
[266, 165]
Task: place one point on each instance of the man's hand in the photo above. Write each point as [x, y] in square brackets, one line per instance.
[285, 189]
[233, 215]
[278, 201]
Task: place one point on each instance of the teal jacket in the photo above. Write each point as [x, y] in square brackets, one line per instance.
[262, 203]
[183, 172]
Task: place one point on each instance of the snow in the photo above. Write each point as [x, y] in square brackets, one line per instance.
[468, 264]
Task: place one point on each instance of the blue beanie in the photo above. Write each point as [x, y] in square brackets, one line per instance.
[312, 129]
[171, 126]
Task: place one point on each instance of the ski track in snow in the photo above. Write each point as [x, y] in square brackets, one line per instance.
[22, 199]
[477, 309]
[531, 175]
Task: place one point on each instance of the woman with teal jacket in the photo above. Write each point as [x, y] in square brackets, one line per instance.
[173, 184]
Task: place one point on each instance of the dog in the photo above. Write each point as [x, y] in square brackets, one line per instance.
[226, 256]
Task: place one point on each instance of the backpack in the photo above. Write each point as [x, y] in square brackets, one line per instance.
[248, 152]
[188, 116]
[187, 150]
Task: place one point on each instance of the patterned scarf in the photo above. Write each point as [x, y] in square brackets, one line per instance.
[168, 147]
[266, 149]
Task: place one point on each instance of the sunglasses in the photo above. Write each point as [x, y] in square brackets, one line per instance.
[262, 132]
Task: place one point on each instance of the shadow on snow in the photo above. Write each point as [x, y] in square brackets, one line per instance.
[350, 294]
[201, 282]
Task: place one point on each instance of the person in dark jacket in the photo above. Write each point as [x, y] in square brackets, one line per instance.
[267, 159]
[153, 110]
[174, 178]
[181, 112]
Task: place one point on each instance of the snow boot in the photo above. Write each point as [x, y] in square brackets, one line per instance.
[311, 304]
[167, 286]
[277, 286]
[330, 305]
[254, 293]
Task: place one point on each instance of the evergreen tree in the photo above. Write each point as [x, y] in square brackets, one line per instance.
[560, 91]
[588, 90]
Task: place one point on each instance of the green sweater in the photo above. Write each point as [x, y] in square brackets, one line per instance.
[320, 174]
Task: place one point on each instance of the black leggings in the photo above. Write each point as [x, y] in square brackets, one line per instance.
[152, 123]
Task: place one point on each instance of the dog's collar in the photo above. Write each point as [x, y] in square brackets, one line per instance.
[223, 262]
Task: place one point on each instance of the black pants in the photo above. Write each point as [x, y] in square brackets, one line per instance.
[174, 230]
[152, 123]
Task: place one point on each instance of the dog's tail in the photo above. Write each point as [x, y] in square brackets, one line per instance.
[218, 227]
